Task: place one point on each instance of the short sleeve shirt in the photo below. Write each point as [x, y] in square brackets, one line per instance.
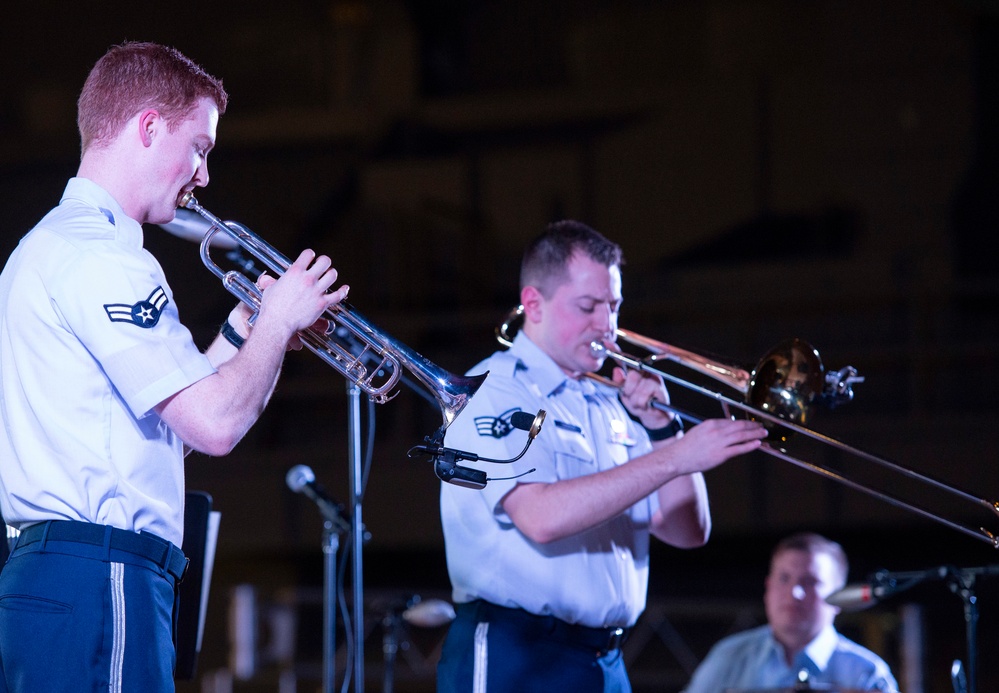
[596, 578]
[90, 343]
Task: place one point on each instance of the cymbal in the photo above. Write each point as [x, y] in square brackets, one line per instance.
[429, 613]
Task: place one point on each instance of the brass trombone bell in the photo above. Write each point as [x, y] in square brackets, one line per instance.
[782, 391]
[787, 382]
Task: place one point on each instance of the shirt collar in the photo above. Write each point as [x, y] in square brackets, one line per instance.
[818, 652]
[545, 373]
[128, 230]
[821, 649]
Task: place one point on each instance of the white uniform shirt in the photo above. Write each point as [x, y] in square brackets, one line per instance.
[90, 343]
[597, 578]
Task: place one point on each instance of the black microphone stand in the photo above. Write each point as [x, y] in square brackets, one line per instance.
[358, 533]
[353, 526]
[335, 524]
[391, 639]
[961, 582]
[331, 545]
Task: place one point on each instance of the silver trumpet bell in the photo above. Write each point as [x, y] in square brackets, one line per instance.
[352, 345]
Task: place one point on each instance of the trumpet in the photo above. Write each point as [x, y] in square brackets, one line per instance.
[783, 391]
[352, 345]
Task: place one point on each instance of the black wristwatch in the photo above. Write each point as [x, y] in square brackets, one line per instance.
[657, 434]
[231, 335]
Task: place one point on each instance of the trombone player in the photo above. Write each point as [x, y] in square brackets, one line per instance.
[549, 565]
[103, 390]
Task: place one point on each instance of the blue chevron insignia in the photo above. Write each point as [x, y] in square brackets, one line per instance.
[495, 426]
[145, 313]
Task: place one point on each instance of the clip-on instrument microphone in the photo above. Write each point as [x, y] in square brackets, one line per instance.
[446, 460]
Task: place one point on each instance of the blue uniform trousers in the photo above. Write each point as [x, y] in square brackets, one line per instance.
[86, 607]
[493, 649]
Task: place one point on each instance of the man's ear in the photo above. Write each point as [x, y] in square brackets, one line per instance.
[533, 302]
[149, 122]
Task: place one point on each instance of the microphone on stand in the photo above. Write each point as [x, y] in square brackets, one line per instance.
[301, 479]
[860, 595]
[880, 586]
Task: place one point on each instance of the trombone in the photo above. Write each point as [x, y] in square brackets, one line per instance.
[783, 391]
[352, 345]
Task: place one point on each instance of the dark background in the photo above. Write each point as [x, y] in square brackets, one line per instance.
[826, 170]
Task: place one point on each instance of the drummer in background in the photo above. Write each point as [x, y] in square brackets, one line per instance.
[799, 642]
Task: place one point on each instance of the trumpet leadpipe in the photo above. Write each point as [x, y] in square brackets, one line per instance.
[353, 346]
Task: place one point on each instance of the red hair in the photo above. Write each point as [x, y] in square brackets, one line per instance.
[134, 76]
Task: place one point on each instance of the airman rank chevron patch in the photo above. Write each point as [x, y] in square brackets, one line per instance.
[145, 313]
[495, 426]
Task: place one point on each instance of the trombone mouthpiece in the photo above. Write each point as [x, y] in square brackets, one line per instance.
[597, 350]
[187, 199]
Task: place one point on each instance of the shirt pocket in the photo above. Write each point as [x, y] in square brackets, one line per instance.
[569, 465]
[573, 445]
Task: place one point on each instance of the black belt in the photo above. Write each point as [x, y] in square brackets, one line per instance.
[149, 546]
[599, 640]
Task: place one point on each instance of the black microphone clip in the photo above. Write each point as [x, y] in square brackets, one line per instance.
[446, 466]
